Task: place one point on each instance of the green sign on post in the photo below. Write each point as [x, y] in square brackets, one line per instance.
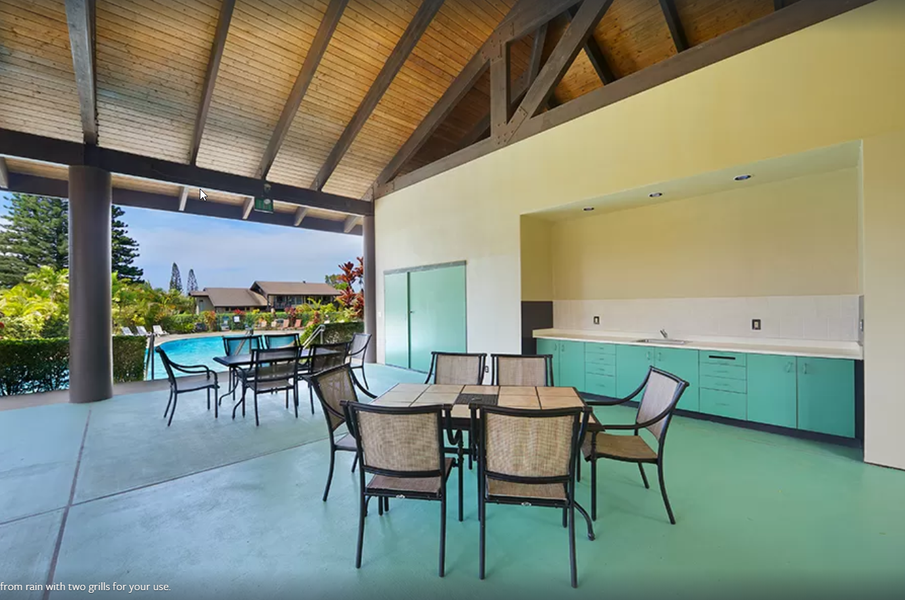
[264, 205]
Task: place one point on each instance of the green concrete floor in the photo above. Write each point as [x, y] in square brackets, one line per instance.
[221, 509]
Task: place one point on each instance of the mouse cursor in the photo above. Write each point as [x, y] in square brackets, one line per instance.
[201, 194]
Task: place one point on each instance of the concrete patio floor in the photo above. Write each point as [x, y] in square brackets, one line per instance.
[107, 493]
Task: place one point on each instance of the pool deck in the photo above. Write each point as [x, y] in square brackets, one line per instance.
[105, 493]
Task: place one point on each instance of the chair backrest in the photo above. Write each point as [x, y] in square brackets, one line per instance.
[282, 340]
[529, 445]
[398, 441]
[157, 329]
[167, 365]
[359, 345]
[275, 368]
[661, 394]
[456, 368]
[241, 344]
[127, 331]
[532, 371]
[333, 387]
[141, 330]
[327, 356]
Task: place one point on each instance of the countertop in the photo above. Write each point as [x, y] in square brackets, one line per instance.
[805, 348]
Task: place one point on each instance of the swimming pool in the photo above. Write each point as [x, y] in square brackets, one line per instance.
[190, 351]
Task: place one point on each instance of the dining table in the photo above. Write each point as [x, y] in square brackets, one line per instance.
[244, 361]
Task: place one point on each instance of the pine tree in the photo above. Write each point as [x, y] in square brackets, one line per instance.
[125, 249]
[176, 279]
[35, 234]
[192, 283]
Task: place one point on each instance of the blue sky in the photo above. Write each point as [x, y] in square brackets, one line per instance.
[226, 253]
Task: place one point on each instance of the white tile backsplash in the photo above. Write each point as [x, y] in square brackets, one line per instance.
[824, 318]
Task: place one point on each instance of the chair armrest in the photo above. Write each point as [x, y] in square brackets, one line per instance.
[197, 369]
[622, 427]
[361, 387]
[608, 401]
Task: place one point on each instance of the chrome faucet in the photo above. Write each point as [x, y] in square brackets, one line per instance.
[663, 333]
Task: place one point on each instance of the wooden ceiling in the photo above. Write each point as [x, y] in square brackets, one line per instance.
[351, 79]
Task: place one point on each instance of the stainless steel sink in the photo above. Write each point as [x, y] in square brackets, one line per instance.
[666, 342]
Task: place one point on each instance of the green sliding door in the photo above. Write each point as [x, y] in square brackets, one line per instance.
[425, 312]
[396, 319]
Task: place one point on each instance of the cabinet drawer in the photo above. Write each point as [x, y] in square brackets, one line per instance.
[735, 386]
[594, 348]
[600, 369]
[723, 358]
[602, 385]
[724, 404]
[724, 371]
[600, 359]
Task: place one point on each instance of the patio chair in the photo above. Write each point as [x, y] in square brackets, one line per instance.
[239, 344]
[456, 368]
[183, 385]
[403, 447]
[529, 457]
[272, 370]
[285, 323]
[525, 370]
[126, 331]
[357, 352]
[298, 324]
[142, 331]
[321, 358]
[281, 340]
[158, 330]
[333, 387]
[662, 392]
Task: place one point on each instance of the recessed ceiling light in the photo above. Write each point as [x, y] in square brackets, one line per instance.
[655, 194]
[588, 208]
[742, 177]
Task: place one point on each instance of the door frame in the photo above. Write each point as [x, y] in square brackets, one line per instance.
[408, 291]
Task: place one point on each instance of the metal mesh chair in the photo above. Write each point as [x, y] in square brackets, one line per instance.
[529, 457]
[183, 385]
[282, 340]
[272, 370]
[403, 449]
[321, 358]
[234, 346]
[357, 351]
[524, 370]
[456, 368]
[333, 387]
[662, 392]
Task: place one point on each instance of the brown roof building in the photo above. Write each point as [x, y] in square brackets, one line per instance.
[263, 295]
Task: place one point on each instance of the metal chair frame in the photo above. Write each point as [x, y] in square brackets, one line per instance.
[170, 366]
[479, 379]
[495, 365]
[253, 378]
[310, 365]
[359, 354]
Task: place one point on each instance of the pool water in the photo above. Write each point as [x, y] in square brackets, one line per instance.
[191, 351]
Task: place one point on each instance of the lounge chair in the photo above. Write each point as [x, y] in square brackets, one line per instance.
[127, 331]
[142, 331]
[158, 330]
[285, 324]
[298, 324]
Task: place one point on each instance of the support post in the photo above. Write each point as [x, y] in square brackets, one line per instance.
[90, 312]
[370, 287]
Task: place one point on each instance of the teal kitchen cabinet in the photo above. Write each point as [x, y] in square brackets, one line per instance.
[772, 390]
[600, 369]
[568, 361]
[826, 396]
[632, 365]
[682, 363]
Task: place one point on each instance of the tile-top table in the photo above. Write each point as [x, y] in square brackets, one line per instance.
[421, 394]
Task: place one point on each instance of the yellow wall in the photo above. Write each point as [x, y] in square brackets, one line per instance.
[537, 259]
[795, 237]
[838, 81]
[884, 298]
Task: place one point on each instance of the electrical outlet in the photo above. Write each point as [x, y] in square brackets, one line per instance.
[596, 320]
[755, 324]
[486, 369]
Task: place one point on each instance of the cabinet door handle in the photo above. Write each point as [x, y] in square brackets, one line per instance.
[648, 355]
[660, 356]
[805, 368]
[789, 367]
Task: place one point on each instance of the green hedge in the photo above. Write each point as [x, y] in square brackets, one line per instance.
[181, 323]
[29, 366]
[335, 333]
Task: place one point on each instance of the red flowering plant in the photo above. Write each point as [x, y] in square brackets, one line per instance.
[348, 296]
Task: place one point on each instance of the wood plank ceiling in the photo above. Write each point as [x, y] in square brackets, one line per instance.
[153, 56]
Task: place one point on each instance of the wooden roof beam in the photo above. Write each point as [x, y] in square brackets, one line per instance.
[80, 19]
[36, 147]
[4, 174]
[247, 208]
[350, 223]
[524, 17]
[568, 47]
[300, 87]
[300, 213]
[183, 197]
[210, 76]
[400, 54]
[594, 53]
[674, 24]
